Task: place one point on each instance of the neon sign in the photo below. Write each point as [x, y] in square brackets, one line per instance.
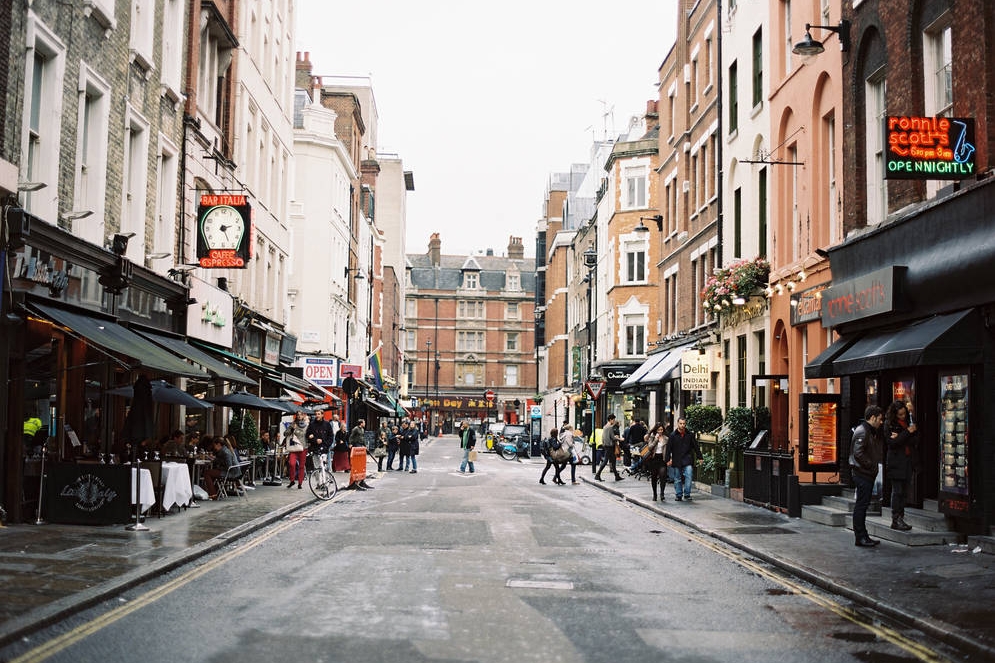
[929, 148]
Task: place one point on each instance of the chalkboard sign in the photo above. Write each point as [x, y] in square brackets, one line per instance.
[87, 494]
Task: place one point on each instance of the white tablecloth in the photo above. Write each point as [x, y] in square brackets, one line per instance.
[176, 488]
[148, 492]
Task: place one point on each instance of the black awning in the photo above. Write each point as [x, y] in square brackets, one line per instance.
[382, 408]
[111, 336]
[822, 365]
[954, 338]
[215, 367]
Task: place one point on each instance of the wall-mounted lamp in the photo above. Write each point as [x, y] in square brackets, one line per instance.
[809, 46]
[779, 289]
[157, 256]
[656, 217]
[76, 214]
[119, 243]
[359, 273]
[30, 186]
[802, 275]
[590, 257]
[641, 228]
[794, 301]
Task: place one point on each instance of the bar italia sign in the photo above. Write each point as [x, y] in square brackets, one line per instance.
[224, 226]
[929, 148]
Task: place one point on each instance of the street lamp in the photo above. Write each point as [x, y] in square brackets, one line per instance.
[809, 46]
[428, 352]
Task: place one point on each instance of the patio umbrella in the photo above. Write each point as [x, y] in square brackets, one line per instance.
[288, 407]
[244, 400]
[163, 392]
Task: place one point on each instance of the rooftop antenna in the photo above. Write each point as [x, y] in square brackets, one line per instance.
[606, 112]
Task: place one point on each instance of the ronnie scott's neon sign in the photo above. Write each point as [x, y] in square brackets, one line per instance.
[929, 148]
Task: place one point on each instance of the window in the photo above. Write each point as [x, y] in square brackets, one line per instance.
[670, 303]
[737, 223]
[938, 65]
[829, 149]
[786, 31]
[409, 372]
[708, 64]
[172, 47]
[214, 61]
[693, 91]
[142, 27]
[469, 309]
[511, 375]
[635, 187]
[165, 221]
[741, 376]
[471, 280]
[514, 282]
[672, 102]
[45, 65]
[762, 212]
[758, 67]
[635, 262]
[469, 374]
[511, 342]
[135, 178]
[410, 340]
[91, 156]
[877, 186]
[733, 97]
[470, 341]
[635, 338]
[410, 305]
[511, 311]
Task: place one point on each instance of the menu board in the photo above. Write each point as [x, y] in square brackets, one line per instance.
[954, 435]
[820, 432]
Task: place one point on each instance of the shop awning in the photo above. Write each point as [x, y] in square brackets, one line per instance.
[111, 336]
[954, 338]
[398, 411]
[822, 365]
[273, 374]
[648, 365]
[382, 408]
[668, 368]
[215, 367]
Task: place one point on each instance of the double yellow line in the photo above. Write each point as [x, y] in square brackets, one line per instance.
[68, 639]
[908, 645]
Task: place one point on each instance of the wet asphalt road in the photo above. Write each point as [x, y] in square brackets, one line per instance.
[439, 566]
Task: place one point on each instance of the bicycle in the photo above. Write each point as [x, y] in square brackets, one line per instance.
[321, 481]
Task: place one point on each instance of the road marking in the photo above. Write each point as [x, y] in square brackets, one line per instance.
[921, 652]
[66, 640]
[539, 584]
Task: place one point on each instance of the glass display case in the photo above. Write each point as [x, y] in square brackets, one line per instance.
[954, 433]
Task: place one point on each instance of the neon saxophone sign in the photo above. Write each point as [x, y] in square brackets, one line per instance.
[929, 148]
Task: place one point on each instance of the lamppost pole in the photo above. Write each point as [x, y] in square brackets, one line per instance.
[428, 352]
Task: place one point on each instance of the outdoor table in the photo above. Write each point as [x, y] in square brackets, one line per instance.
[147, 492]
[176, 486]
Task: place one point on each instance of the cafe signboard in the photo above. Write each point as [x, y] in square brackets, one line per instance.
[880, 291]
[929, 148]
[696, 371]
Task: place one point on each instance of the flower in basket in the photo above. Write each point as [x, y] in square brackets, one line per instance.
[739, 280]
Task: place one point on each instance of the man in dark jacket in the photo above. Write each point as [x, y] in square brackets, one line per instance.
[635, 435]
[412, 437]
[865, 455]
[682, 449]
[609, 441]
[319, 435]
[468, 440]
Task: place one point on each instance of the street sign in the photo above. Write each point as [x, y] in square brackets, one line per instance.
[489, 395]
[536, 411]
[595, 387]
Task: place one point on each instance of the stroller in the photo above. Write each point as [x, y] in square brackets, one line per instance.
[638, 470]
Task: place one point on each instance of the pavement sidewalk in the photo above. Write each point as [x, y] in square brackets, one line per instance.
[945, 591]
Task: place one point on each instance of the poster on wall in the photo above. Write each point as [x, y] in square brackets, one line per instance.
[819, 448]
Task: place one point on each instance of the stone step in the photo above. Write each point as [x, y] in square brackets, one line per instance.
[986, 543]
[845, 503]
[824, 515]
[880, 528]
[921, 519]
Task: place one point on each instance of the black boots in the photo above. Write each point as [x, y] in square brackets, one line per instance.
[898, 522]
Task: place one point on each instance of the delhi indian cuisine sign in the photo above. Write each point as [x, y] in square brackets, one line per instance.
[929, 148]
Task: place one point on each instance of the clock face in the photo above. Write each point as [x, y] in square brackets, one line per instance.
[223, 228]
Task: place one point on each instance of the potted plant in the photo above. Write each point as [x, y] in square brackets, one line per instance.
[730, 286]
[704, 420]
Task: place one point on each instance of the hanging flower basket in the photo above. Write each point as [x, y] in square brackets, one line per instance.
[730, 286]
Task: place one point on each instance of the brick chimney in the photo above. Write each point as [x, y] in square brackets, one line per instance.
[302, 71]
[435, 249]
[516, 250]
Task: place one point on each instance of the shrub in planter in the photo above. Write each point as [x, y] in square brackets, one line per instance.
[245, 432]
[703, 418]
[738, 429]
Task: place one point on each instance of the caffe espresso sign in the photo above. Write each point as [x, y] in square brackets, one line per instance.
[929, 148]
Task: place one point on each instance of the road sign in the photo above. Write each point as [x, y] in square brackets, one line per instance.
[595, 387]
[536, 411]
[489, 395]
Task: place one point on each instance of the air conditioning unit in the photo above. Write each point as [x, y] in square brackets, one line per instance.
[686, 186]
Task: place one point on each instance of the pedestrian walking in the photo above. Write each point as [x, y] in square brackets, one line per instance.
[654, 453]
[468, 440]
[901, 439]
[682, 450]
[865, 455]
[380, 450]
[404, 446]
[320, 435]
[357, 451]
[545, 449]
[568, 442]
[635, 436]
[296, 440]
[609, 442]
[340, 451]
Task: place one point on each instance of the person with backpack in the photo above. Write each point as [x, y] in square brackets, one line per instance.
[546, 446]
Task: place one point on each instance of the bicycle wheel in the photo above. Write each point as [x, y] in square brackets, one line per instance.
[508, 452]
[322, 484]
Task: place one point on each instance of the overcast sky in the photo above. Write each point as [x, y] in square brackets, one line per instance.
[482, 101]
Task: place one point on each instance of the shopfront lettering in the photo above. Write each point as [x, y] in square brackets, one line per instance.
[808, 305]
[863, 297]
[929, 147]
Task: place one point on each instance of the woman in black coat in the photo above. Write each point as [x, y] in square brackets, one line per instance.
[901, 439]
